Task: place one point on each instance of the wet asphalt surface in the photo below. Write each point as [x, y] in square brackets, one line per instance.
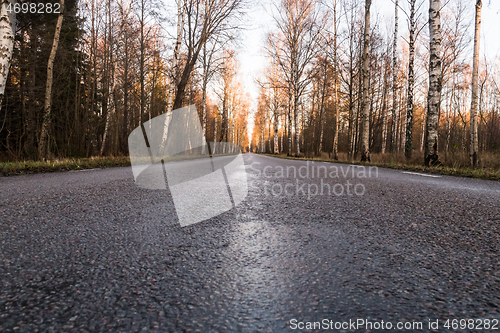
[90, 252]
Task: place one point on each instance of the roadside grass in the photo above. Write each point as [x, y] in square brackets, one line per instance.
[385, 161]
[455, 165]
[29, 167]
[68, 164]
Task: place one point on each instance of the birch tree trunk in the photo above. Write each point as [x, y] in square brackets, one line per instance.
[384, 107]
[289, 150]
[424, 121]
[322, 107]
[181, 11]
[283, 132]
[422, 141]
[42, 147]
[207, 59]
[111, 110]
[448, 116]
[276, 124]
[411, 83]
[215, 130]
[142, 60]
[269, 134]
[297, 133]
[110, 100]
[365, 114]
[263, 142]
[394, 81]
[204, 108]
[7, 31]
[475, 73]
[435, 84]
[336, 101]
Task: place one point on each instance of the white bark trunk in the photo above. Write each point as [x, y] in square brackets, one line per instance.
[321, 112]
[111, 102]
[7, 31]
[336, 102]
[411, 82]
[384, 108]
[435, 84]
[474, 145]
[181, 10]
[283, 131]
[215, 130]
[394, 81]
[295, 125]
[365, 114]
[42, 148]
[276, 124]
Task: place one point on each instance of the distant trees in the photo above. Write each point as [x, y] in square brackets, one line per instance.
[273, 85]
[360, 98]
[80, 83]
[232, 105]
[334, 84]
[28, 81]
[204, 19]
[299, 24]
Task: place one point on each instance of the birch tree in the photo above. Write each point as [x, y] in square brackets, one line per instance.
[42, 147]
[181, 12]
[336, 94]
[384, 99]
[411, 78]
[212, 62]
[394, 79]
[204, 19]
[435, 84]
[365, 114]
[7, 31]
[174, 79]
[300, 24]
[109, 96]
[474, 146]
[274, 86]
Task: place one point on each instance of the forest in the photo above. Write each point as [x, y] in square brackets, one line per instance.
[341, 85]
[338, 83]
[80, 81]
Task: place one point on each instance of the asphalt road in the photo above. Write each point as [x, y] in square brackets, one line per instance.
[90, 251]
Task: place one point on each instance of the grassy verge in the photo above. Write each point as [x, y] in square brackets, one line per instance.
[480, 173]
[28, 167]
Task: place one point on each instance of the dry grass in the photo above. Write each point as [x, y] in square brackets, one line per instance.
[27, 167]
[456, 164]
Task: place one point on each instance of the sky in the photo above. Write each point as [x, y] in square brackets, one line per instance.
[252, 56]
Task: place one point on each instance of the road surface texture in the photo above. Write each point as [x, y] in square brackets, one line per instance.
[90, 252]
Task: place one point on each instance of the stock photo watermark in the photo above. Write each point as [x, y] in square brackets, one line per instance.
[206, 179]
[334, 180]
